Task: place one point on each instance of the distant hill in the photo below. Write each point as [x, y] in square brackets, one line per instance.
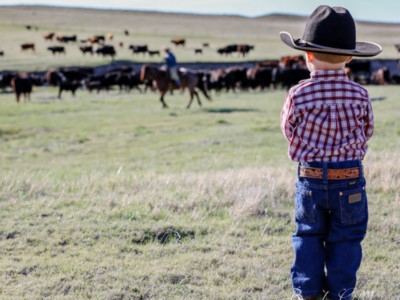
[156, 29]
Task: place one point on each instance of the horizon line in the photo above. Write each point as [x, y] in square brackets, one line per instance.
[183, 12]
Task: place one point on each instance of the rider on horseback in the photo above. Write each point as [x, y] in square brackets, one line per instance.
[171, 64]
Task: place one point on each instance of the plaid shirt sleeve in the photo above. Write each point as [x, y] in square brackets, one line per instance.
[369, 122]
[288, 118]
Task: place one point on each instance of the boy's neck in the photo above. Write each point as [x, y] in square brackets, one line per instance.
[317, 65]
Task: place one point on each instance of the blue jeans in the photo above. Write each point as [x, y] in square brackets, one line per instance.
[331, 220]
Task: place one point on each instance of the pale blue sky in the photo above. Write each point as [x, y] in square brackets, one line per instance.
[382, 10]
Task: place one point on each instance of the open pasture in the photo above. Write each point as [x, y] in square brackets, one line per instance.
[155, 30]
[110, 197]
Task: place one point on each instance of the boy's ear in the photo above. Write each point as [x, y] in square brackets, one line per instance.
[310, 56]
[349, 59]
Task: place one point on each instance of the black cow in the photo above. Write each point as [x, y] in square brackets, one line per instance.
[139, 48]
[244, 49]
[259, 77]
[153, 52]
[56, 49]
[106, 50]
[289, 77]
[228, 49]
[86, 49]
[235, 76]
[68, 85]
[66, 39]
[22, 85]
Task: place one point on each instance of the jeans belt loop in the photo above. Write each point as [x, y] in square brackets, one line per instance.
[325, 173]
[361, 168]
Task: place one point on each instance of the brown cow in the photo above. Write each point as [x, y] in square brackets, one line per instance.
[97, 39]
[49, 36]
[178, 42]
[85, 49]
[296, 61]
[28, 46]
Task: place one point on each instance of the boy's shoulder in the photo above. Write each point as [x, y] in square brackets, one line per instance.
[312, 87]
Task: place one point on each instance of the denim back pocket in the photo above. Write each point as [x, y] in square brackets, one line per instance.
[304, 206]
[353, 205]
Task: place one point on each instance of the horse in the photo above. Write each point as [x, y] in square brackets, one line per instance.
[188, 79]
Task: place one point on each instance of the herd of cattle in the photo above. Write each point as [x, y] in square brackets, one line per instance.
[282, 73]
[98, 44]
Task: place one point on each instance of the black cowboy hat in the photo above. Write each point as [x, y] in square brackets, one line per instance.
[331, 30]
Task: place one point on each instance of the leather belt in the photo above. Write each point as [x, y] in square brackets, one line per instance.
[332, 174]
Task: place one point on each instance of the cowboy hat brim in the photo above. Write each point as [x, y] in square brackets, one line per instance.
[362, 48]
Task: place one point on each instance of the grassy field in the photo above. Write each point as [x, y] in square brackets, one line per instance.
[156, 30]
[110, 197]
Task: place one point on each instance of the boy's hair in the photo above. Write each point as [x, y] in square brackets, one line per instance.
[330, 58]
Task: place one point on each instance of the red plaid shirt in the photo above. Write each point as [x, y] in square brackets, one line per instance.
[327, 118]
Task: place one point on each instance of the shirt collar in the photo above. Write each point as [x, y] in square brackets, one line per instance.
[329, 74]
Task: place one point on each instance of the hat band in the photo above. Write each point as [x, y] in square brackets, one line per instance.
[323, 47]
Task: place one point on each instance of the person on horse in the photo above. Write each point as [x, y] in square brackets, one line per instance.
[172, 66]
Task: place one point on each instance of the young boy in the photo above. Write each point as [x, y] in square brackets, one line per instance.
[327, 120]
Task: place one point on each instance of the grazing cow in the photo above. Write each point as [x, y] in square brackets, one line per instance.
[28, 27]
[205, 45]
[56, 49]
[67, 85]
[228, 49]
[106, 50]
[126, 32]
[288, 77]
[215, 79]
[121, 44]
[84, 41]
[361, 69]
[97, 39]
[244, 49]
[22, 85]
[66, 39]
[397, 46]
[138, 49]
[49, 36]
[127, 81]
[28, 46]
[296, 61]
[178, 42]
[1, 53]
[259, 77]
[381, 76]
[235, 76]
[86, 49]
[198, 51]
[153, 52]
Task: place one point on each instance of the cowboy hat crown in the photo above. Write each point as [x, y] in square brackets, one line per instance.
[331, 30]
